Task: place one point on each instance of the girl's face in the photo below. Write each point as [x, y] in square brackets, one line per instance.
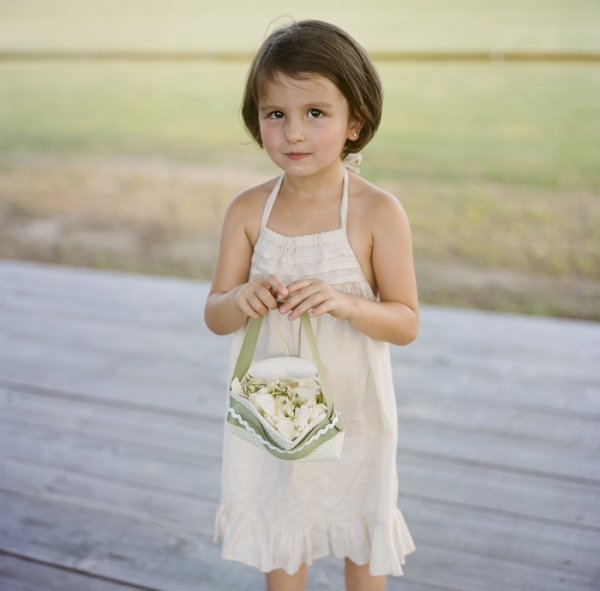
[304, 124]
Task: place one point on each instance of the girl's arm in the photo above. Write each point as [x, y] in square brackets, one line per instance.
[395, 318]
[232, 297]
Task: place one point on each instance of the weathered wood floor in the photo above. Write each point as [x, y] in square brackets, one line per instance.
[111, 390]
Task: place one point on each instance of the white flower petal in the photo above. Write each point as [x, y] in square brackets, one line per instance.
[265, 403]
[302, 415]
[286, 428]
[306, 392]
[289, 404]
[271, 421]
[236, 387]
[318, 412]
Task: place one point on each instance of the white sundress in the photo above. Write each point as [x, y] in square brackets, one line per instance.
[280, 514]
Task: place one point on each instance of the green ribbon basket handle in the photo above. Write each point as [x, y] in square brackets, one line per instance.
[249, 346]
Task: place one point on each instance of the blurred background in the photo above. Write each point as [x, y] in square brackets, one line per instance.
[121, 142]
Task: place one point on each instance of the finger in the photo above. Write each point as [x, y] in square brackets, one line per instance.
[266, 297]
[258, 305]
[299, 284]
[298, 297]
[247, 309]
[277, 285]
[320, 310]
[308, 304]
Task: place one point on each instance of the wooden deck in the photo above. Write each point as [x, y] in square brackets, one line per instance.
[112, 398]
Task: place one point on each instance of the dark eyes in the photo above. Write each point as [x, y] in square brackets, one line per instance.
[312, 113]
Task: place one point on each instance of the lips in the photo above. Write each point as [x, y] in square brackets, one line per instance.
[296, 155]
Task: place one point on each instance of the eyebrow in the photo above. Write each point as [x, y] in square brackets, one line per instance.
[308, 106]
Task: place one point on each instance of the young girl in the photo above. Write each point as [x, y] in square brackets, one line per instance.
[340, 248]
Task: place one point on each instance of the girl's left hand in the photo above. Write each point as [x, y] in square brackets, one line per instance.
[316, 297]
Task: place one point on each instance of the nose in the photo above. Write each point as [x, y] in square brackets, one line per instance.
[294, 130]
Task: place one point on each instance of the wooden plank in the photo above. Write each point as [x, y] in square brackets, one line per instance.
[27, 478]
[486, 490]
[169, 448]
[191, 504]
[186, 512]
[450, 329]
[473, 572]
[499, 420]
[480, 332]
[425, 479]
[12, 585]
[446, 324]
[434, 477]
[135, 364]
[105, 460]
[200, 395]
[127, 550]
[110, 295]
[119, 547]
[82, 282]
[570, 337]
[554, 462]
[551, 461]
[515, 389]
[509, 538]
[543, 393]
[71, 331]
[562, 392]
[20, 574]
[72, 411]
[198, 388]
[509, 341]
[176, 432]
[19, 396]
[527, 542]
[445, 411]
[569, 462]
[105, 336]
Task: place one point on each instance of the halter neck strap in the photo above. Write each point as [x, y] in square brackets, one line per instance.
[271, 200]
[344, 206]
[352, 162]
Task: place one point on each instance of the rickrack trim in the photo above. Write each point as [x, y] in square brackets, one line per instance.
[238, 418]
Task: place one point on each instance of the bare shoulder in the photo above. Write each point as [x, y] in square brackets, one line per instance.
[375, 207]
[377, 228]
[246, 208]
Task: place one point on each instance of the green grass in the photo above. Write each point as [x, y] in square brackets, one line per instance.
[239, 24]
[182, 110]
[529, 124]
[534, 125]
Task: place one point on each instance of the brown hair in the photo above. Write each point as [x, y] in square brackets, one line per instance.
[314, 47]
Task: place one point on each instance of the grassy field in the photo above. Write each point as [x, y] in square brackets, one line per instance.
[131, 165]
[239, 25]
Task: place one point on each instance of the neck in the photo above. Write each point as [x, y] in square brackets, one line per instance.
[316, 185]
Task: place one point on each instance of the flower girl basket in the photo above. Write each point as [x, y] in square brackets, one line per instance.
[322, 441]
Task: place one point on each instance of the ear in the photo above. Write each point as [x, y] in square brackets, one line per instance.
[354, 129]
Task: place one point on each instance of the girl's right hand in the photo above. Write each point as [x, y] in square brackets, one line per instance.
[258, 296]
